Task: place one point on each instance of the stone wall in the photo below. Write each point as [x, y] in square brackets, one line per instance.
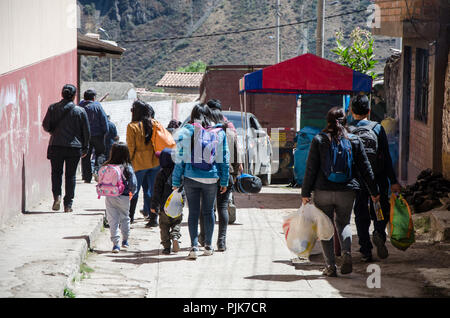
[446, 126]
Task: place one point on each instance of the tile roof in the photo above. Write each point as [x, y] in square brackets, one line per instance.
[180, 79]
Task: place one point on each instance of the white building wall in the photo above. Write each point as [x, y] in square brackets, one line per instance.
[34, 30]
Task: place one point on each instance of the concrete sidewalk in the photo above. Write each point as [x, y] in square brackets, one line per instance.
[43, 250]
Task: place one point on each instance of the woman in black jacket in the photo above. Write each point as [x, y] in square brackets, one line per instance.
[332, 197]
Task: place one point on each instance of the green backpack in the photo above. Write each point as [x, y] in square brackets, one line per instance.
[401, 227]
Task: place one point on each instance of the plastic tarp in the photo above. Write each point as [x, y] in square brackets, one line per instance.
[306, 73]
[303, 138]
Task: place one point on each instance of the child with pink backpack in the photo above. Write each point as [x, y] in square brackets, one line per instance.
[117, 183]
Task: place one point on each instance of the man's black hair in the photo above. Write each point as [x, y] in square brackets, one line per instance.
[68, 92]
[89, 94]
[360, 105]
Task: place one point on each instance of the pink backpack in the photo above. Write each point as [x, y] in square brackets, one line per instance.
[110, 181]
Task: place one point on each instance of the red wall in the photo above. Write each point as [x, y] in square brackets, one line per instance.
[25, 95]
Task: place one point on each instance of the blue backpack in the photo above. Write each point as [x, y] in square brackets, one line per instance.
[205, 142]
[338, 163]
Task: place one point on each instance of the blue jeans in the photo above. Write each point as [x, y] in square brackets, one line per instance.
[149, 176]
[200, 194]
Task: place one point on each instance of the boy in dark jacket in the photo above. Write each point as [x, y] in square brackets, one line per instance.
[384, 177]
[169, 227]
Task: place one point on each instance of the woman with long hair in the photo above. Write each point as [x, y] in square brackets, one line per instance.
[223, 199]
[335, 194]
[200, 178]
[143, 157]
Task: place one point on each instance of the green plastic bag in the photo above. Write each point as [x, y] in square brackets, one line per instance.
[401, 227]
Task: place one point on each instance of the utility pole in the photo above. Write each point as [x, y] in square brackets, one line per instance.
[320, 31]
[278, 31]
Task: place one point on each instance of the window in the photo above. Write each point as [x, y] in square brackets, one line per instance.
[421, 89]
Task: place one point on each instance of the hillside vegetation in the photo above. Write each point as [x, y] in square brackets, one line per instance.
[136, 24]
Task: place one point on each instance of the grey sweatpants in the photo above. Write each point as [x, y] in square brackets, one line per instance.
[339, 204]
[118, 215]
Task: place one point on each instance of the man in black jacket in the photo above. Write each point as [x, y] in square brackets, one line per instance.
[384, 174]
[68, 126]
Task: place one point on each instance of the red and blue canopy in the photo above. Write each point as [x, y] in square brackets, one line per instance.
[306, 74]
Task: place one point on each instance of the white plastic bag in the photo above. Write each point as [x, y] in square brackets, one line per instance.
[303, 228]
[174, 204]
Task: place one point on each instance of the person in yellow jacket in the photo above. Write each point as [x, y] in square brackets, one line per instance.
[143, 157]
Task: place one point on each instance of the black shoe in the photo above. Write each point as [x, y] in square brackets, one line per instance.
[379, 242]
[57, 203]
[105, 223]
[68, 209]
[347, 265]
[221, 247]
[330, 271]
[166, 251]
[152, 223]
[367, 258]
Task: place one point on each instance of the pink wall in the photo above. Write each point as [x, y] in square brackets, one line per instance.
[25, 95]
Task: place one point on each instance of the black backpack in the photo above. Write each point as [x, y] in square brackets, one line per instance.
[246, 183]
[370, 140]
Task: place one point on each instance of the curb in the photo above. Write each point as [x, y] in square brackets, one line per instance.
[74, 263]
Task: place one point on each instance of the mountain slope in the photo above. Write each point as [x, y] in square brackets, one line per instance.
[145, 62]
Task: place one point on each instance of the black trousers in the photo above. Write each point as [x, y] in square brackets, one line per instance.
[365, 214]
[70, 157]
[96, 143]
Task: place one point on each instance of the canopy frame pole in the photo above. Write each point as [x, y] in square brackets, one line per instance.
[246, 160]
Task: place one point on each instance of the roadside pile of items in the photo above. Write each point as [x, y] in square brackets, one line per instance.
[429, 192]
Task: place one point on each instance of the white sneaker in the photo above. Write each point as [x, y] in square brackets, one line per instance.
[193, 253]
[208, 251]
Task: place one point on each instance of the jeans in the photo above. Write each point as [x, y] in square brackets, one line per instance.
[145, 178]
[70, 157]
[117, 216]
[97, 143]
[200, 195]
[364, 216]
[222, 209]
[339, 203]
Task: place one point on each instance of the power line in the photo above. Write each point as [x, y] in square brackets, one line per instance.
[238, 31]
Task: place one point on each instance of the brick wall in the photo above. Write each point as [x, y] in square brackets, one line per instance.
[446, 125]
[393, 13]
[420, 143]
[398, 10]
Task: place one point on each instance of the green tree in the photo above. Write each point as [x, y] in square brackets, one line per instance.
[196, 66]
[359, 54]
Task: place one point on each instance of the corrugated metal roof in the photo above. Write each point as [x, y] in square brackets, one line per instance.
[180, 79]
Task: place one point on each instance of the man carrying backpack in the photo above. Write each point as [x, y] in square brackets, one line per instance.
[377, 149]
[98, 124]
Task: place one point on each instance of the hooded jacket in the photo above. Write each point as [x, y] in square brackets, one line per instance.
[163, 182]
[98, 122]
[68, 125]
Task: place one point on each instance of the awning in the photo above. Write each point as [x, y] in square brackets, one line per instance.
[304, 74]
[94, 47]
